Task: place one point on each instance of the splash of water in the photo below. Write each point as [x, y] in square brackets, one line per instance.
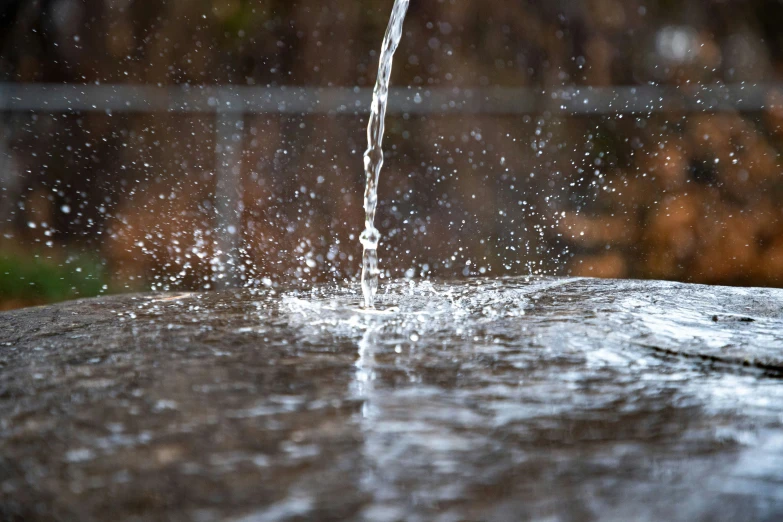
[373, 157]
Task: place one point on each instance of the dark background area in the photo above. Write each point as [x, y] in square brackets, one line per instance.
[95, 202]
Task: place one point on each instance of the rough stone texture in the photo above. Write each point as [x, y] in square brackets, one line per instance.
[555, 399]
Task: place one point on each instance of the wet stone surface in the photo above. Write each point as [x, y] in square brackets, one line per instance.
[547, 399]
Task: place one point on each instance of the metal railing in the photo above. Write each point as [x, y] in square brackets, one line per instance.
[642, 99]
[229, 104]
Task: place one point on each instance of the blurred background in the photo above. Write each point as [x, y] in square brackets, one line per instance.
[194, 144]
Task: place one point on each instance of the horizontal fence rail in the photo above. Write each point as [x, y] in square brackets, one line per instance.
[643, 99]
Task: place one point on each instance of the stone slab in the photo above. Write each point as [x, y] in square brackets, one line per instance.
[513, 399]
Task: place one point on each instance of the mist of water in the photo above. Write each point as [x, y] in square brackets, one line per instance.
[373, 157]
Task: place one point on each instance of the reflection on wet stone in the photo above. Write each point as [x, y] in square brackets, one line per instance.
[569, 399]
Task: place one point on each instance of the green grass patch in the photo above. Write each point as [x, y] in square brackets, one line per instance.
[30, 278]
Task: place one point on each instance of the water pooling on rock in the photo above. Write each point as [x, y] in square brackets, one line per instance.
[505, 399]
[373, 157]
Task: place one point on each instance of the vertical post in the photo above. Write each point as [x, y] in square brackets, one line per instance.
[5, 159]
[9, 177]
[229, 134]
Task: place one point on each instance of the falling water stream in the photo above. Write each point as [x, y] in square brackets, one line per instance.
[373, 157]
